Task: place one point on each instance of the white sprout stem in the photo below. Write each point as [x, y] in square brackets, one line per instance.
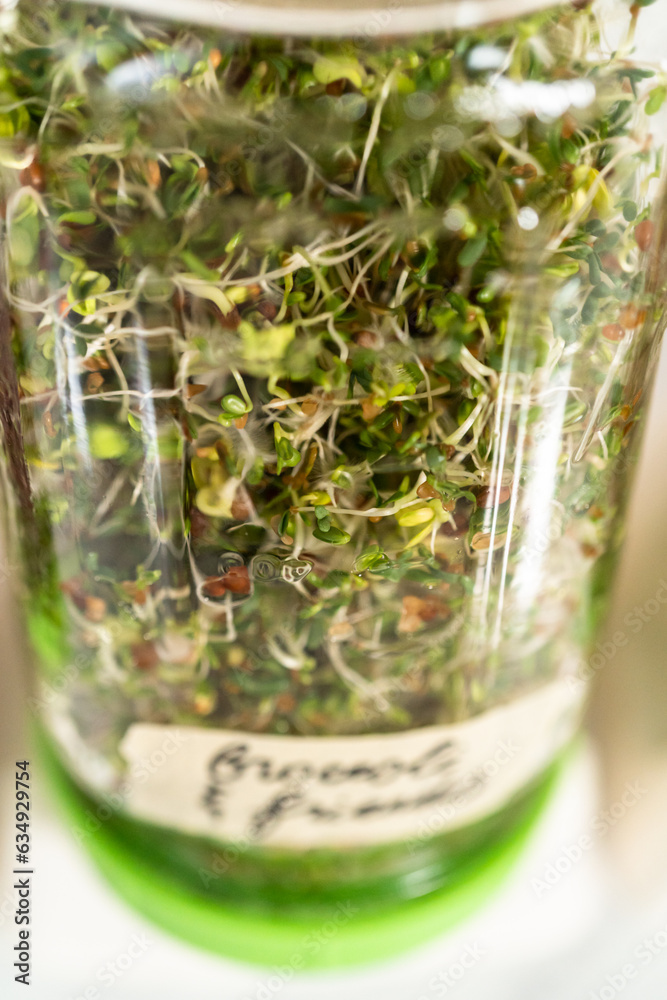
[333, 188]
[108, 499]
[603, 392]
[352, 678]
[374, 511]
[135, 393]
[356, 401]
[113, 361]
[400, 285]
[373, 131]
[358, 234]
[315, 256]
[466, 425]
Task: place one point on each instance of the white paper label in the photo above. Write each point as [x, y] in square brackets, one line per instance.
[339, 791]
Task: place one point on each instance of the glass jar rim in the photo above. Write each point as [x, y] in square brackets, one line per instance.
[363, 20]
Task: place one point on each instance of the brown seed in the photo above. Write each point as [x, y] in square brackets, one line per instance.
[631, 316]
[241, 508]
[215, 58]
[202, 175]
[94, 382]
[268, 310]
[460, 526]
[96, 609]
[95, 364]
[144, 655]
[644, 234]
[369, 410]
[33, 176]
[178, 299]
[625, 412]
[231, 320]
[153, 175]
[492, 496]
[336, 87]
[136, 594]
[366, 338]
[412, 604]
[375, 519]
[409, 623]
[524, 170]
[214, 587]
[430, 610]
[416, 610]
[569, 126]
[397, 424]
[482, 542]
[309, 406]
[193, 389]
[613, 331]
[427, 492]
[237, 580]
[241, 421]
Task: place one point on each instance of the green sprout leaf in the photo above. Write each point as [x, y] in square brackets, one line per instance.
[333, 535]
[107, 441]
[656, 99]
[328, 69]
[234, 405]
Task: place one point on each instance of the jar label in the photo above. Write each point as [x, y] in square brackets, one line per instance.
[343, 791]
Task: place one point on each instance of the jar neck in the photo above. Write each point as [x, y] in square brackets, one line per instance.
[362, 19]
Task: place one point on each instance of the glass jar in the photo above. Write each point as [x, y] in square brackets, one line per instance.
[325, 352]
